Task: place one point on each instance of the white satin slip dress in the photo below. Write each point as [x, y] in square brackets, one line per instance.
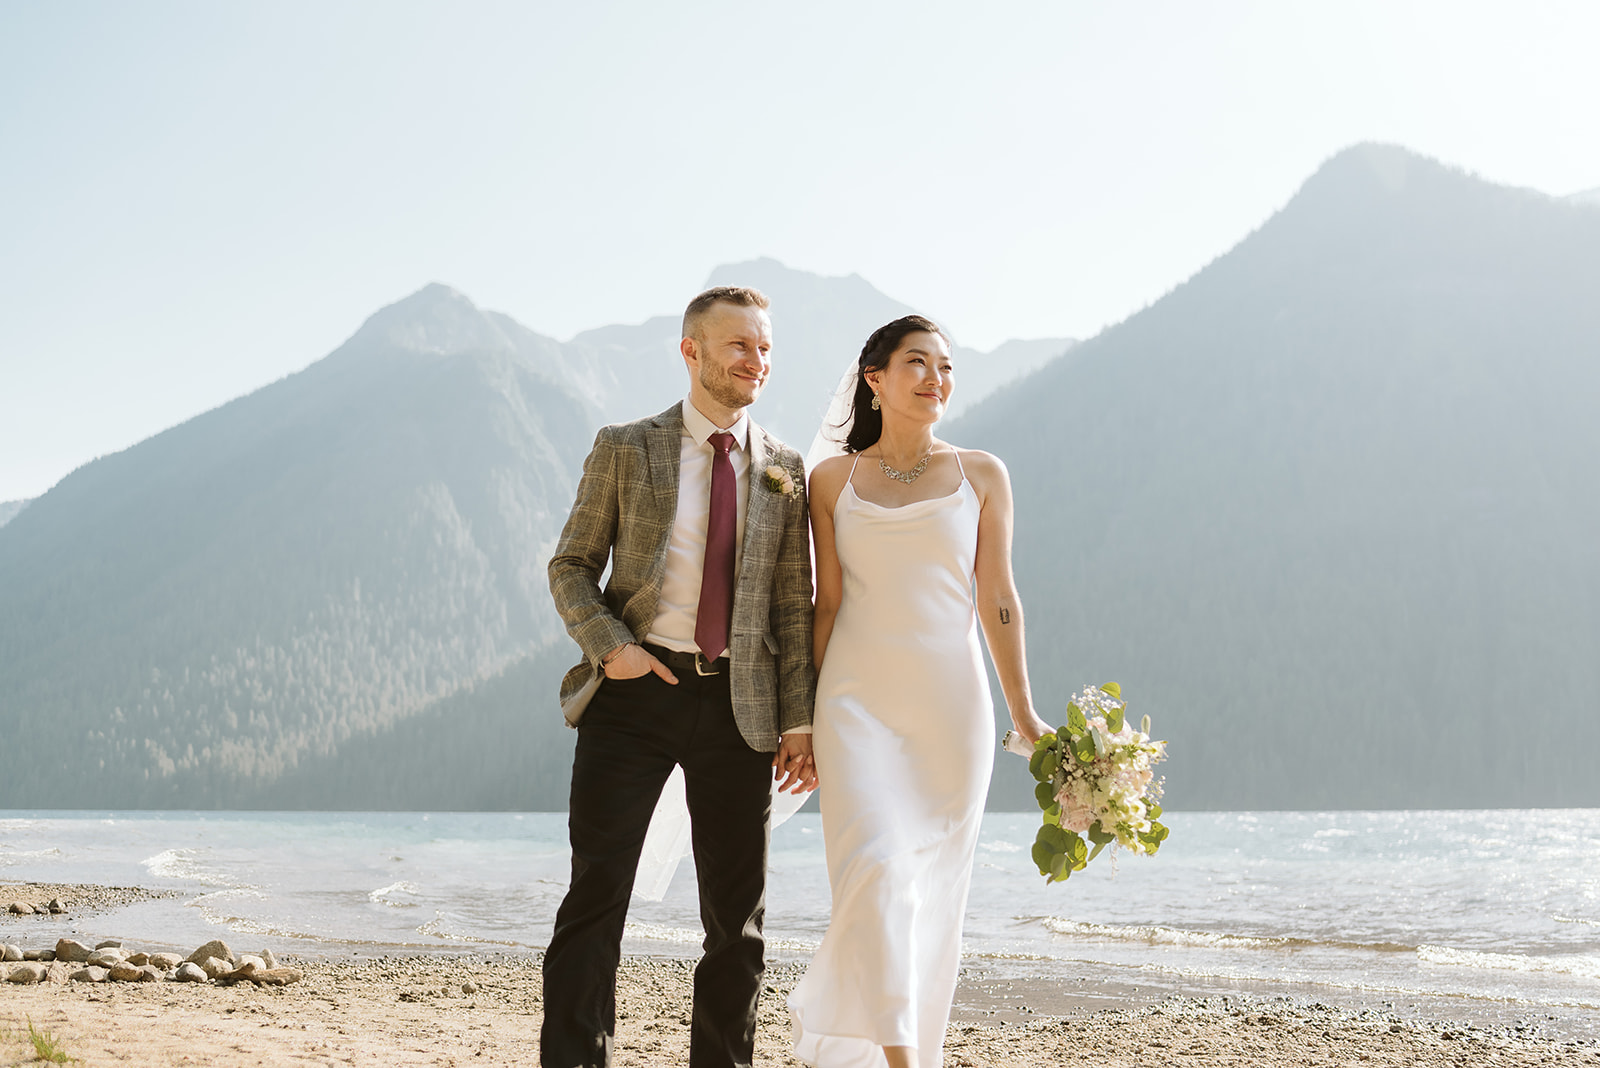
[903, 742]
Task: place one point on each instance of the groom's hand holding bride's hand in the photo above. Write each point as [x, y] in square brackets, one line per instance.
[793, 760]
[631, 661]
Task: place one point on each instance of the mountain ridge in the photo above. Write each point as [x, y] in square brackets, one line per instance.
[1294, 486]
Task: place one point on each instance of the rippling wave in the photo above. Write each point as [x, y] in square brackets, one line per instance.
[1171, 936]
[1582, 966]
[184, 864]
[380, 896]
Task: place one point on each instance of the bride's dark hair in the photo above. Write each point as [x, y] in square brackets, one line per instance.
[866, 423]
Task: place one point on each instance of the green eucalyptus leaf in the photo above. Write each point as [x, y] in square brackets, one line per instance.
[1055, 838]
[1077, 723]
[1095, 852]
[1059, 869]
[1114, 720]
[1113, 689]
[1044, 795]
[1042, 763]
[1083, 747]
[1153, 810]
[1099, 835]
[1077, 851]
[1042, 855]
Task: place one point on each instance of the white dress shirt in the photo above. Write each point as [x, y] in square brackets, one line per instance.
[686, 548]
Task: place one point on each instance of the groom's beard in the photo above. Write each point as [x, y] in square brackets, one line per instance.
[727, 390]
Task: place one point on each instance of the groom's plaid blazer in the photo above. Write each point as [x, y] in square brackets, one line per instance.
[626, 503]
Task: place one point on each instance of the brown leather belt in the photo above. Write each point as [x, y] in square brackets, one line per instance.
[683, 663]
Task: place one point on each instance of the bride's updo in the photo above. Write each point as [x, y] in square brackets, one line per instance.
[866, 423]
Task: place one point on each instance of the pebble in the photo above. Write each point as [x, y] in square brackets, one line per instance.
[70, 950]
[126, 972]
[214, 967]
[111, 960]
[214, 948]
[32, 972]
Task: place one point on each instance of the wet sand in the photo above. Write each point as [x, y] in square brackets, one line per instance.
[450, 1009]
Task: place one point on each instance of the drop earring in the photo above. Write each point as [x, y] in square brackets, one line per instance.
[875, 404]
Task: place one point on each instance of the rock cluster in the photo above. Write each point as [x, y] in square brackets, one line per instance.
[110, 961]
[23, 908]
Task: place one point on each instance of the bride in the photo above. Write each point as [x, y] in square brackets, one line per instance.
[906, 528]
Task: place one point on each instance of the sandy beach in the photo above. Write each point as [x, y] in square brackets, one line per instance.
[441, 1009]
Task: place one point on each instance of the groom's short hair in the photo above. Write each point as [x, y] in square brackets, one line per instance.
[741, 296]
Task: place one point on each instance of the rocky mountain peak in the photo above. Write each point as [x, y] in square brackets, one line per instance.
[436, 320]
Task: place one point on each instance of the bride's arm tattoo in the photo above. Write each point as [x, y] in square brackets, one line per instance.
[1005, 615]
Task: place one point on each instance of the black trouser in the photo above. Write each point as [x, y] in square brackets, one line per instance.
[631, 735]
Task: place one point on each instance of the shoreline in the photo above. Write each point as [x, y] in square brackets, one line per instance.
[429, 1009]
[398, 1005]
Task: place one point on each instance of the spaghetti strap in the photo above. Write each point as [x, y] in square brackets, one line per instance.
[960, 468]
[847, 481]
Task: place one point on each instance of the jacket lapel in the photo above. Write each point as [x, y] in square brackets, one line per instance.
[664, 446]
[757, 497]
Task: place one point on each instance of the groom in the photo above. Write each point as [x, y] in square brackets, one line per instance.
[696, 653]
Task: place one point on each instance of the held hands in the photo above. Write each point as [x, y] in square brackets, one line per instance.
[631, 661]
[795, 763]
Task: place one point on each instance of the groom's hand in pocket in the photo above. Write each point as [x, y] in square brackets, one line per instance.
[794, 763]
[633, 662]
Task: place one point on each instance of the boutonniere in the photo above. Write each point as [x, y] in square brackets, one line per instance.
[781, 482]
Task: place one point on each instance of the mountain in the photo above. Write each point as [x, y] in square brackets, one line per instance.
[978, 374]
[9, 510]
[819, 324]
[186, 621]
[331, 593]
[1327, 510]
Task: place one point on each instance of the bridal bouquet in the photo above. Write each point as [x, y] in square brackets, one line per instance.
[1094, 783]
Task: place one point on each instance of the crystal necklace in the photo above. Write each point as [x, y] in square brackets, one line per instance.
[907, 477]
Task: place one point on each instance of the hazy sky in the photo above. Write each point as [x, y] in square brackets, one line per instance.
[199, 198]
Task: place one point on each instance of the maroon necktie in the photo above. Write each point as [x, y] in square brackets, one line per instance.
[716, 584]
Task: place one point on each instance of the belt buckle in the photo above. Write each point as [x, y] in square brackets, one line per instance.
[701, 664]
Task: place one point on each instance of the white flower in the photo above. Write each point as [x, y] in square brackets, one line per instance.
[781, 482]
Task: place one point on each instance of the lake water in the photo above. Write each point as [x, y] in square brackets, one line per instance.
[1487, 915]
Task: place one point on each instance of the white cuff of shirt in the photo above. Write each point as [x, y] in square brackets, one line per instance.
[804, 729]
